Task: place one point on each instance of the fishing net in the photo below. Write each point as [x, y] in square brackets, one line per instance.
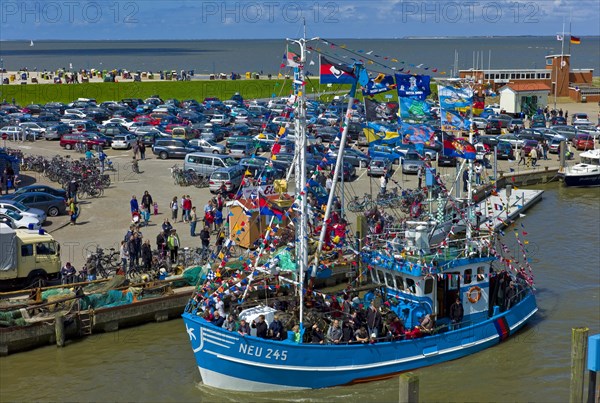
[107, 299]
[12, 318]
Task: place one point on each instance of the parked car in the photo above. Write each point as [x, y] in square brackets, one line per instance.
[348, 171]
[386, 152]
[20, 208]
[16, 220]
[513, 139]
[68, 141]
[42, 189]
[325, 134]
[123, 142]
[35, 128]
[354, 157]
[411, 163]
[172, 148]
[558, 120]
[516, 125]
[446, 161]
[504, 151]
[207, 146]
[242, 149]
[48, 203]
[529, 145]
[480, 123]
[379, 166]
[230, 178]
[579, 116]
[554, 146]
[583, 141]
[55, 131]
[494, 126]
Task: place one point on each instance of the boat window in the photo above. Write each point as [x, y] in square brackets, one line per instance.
[467, 277]
[410, 285]
[389, 279]
[428, 286]
[380, 276]
[481, 273]
[453, 283]
[400, 282]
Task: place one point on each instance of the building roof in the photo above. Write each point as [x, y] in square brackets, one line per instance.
[526, 87]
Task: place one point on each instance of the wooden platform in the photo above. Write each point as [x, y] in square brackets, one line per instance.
[500, 210]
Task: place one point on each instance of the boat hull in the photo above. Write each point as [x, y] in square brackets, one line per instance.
[582, 180]
[227, 360]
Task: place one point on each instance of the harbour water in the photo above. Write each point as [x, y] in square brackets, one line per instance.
[155, 363]
[225, 56]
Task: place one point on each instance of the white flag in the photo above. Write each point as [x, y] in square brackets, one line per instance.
[559, 37]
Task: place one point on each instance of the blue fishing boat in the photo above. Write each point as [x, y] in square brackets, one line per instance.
[412, 287]
[416, 285]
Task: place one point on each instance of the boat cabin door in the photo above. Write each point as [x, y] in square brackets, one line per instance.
[447, 290]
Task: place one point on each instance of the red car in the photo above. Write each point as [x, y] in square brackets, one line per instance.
[529, 145]
[583, 142]
[68, 141]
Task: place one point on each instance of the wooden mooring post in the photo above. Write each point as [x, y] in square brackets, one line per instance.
[408, 388]
[579, 338]
[59, 329]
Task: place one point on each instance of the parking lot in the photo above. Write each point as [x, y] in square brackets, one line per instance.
[105, 220]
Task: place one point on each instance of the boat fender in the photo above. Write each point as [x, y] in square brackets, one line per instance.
[474, 294]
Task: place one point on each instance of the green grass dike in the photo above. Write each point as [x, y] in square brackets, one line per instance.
[42, 93]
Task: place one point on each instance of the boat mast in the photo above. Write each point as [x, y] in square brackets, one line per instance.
[336, 173]
[300, 167]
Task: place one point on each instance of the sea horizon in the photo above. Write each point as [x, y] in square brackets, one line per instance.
[209, 56]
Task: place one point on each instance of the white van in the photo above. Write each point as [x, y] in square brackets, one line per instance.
[205, 164]
[231, 178]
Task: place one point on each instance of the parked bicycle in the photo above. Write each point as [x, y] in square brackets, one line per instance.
[356, 205]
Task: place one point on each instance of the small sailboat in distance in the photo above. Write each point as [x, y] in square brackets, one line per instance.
[31, 43]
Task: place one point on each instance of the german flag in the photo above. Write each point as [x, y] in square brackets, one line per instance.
[575, 40]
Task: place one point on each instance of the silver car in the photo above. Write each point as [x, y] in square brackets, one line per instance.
[207, 146]
[379, 167]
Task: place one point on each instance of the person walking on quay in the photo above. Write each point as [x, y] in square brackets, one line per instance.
[147, 254]
[124, 255]
[173, 243]
[545, 149]
[534, 156]
[134, 250]
[465, 177]
[522, 156]
[205, 239]
[174, 206]
[147, 202]
[420, 176]
[478, 170]
[136, 149]
[73, 211]
[72, 189]
[161, 243]
[193, 221]
[142, 149]
[134, 205]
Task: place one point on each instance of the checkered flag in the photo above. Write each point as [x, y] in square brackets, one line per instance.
[211, 275]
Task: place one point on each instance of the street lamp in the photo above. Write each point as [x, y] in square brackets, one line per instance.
[1, 71]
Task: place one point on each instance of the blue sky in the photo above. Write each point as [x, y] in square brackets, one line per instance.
[152, 19]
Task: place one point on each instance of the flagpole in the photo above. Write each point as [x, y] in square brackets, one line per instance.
[336, 173]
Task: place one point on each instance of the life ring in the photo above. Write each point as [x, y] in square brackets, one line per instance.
[474, 294]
